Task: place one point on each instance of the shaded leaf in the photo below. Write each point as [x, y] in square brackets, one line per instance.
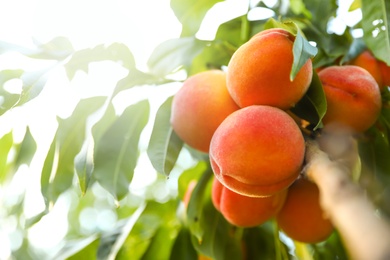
[84, 248]
[183, 249]
[7, 99]
[190, 13]
[26, 150]
[174, 54]
[116, 52]
[164, 145]
[376, 27]
[187, 176]
[116, 152]
[312, 107]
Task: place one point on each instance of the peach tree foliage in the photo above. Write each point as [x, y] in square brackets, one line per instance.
[106, 151]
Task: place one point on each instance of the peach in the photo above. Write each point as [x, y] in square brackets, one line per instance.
[368, 62]
[353, 97]
[259, 71]
[200, 105]
[385, 71]
[301, 217]
[257, 151]
[245, 211]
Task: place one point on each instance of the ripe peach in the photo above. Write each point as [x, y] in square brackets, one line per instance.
[200, 105]
[353, 97]
[368, 62]
[385, 71]
[245, 211]
[259, 71]
[257, 151]
[301, 217]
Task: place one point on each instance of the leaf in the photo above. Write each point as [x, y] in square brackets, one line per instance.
[7, 99]
[35, 219]
[190, 13]
[85, 248]
[298, 7]
[183, 249]
[356, 4]
[164, 145]
[376, 27]
[33, 84]
[83, 163]
[26, 150]
[155, 250]
[116, 152]
[116, 52]
[302, 51]
[56, 49]
[174, 54]
[187, 176]
[6, 143]
[112, 242]
[58, 170]
[312, 107]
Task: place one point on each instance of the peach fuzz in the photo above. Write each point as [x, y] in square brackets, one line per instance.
[368, 62]
[301, 217]
[257, 151]
[245, 211]
[259, 71]
[352, 95]
[200, 105]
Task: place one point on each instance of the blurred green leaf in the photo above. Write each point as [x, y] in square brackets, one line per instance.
[7, 99]
[83, 163]
[116, 52]
[190, 13]
[79, 249]
[116, 152]
[160, 244]
[173, 54]
[376, 27]
[302, 51]
[286, 25]
[58, 171]
[56, 49]
[112, 242]
[26, 149]
[6, 143]
[298, 7]
[164, 145]
[356, 4]
[182, 248]
[187, 176]
[258, 242]
[35, 219]
[312, 107]
[33, 84]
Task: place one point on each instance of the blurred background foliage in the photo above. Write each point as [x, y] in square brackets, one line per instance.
[109, 176]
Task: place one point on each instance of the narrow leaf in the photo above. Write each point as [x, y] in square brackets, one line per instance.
[116, 152]
[26, 149]
[183, 248]
[302, 51]
[376, 27]
[174, 54]
[6, 143]
[164, 145]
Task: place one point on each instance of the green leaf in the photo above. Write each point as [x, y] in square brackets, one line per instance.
[182, 248]
[356, 4]
[298, 7]
[376, 27]
[83, 163]
[190, 13]
[312, 107]
[58, 170]
[116, 152]
[6, 143]
[112, 242]
[33, 84]
[164, 145]
[85, 248]
[173, 54]
[155, 249]
[7, 99]
[187, 176]
[116, 52]
[26, 150]
[302, 51]
[35, 219]
[286, 25]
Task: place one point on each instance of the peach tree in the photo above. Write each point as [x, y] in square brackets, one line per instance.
[97, 154]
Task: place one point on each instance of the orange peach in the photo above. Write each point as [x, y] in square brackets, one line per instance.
[257, 151]
[259, 71]
[301, 217]
[385, 71]
[368, 62]
[245, 211]
[200, 105]
[353, 97]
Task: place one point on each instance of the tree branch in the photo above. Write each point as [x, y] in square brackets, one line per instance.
[365, 234]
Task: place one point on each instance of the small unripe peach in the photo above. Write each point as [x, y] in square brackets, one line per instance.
[257, 151]
[259, 71]
[200, 105]
[245, 211]
[352, 95]
[301, 216]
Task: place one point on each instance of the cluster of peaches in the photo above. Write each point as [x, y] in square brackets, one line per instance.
[242, 119]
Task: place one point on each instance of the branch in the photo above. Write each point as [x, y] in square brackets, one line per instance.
[365, 235]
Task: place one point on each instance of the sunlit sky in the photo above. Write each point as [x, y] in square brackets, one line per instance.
[140, 24]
